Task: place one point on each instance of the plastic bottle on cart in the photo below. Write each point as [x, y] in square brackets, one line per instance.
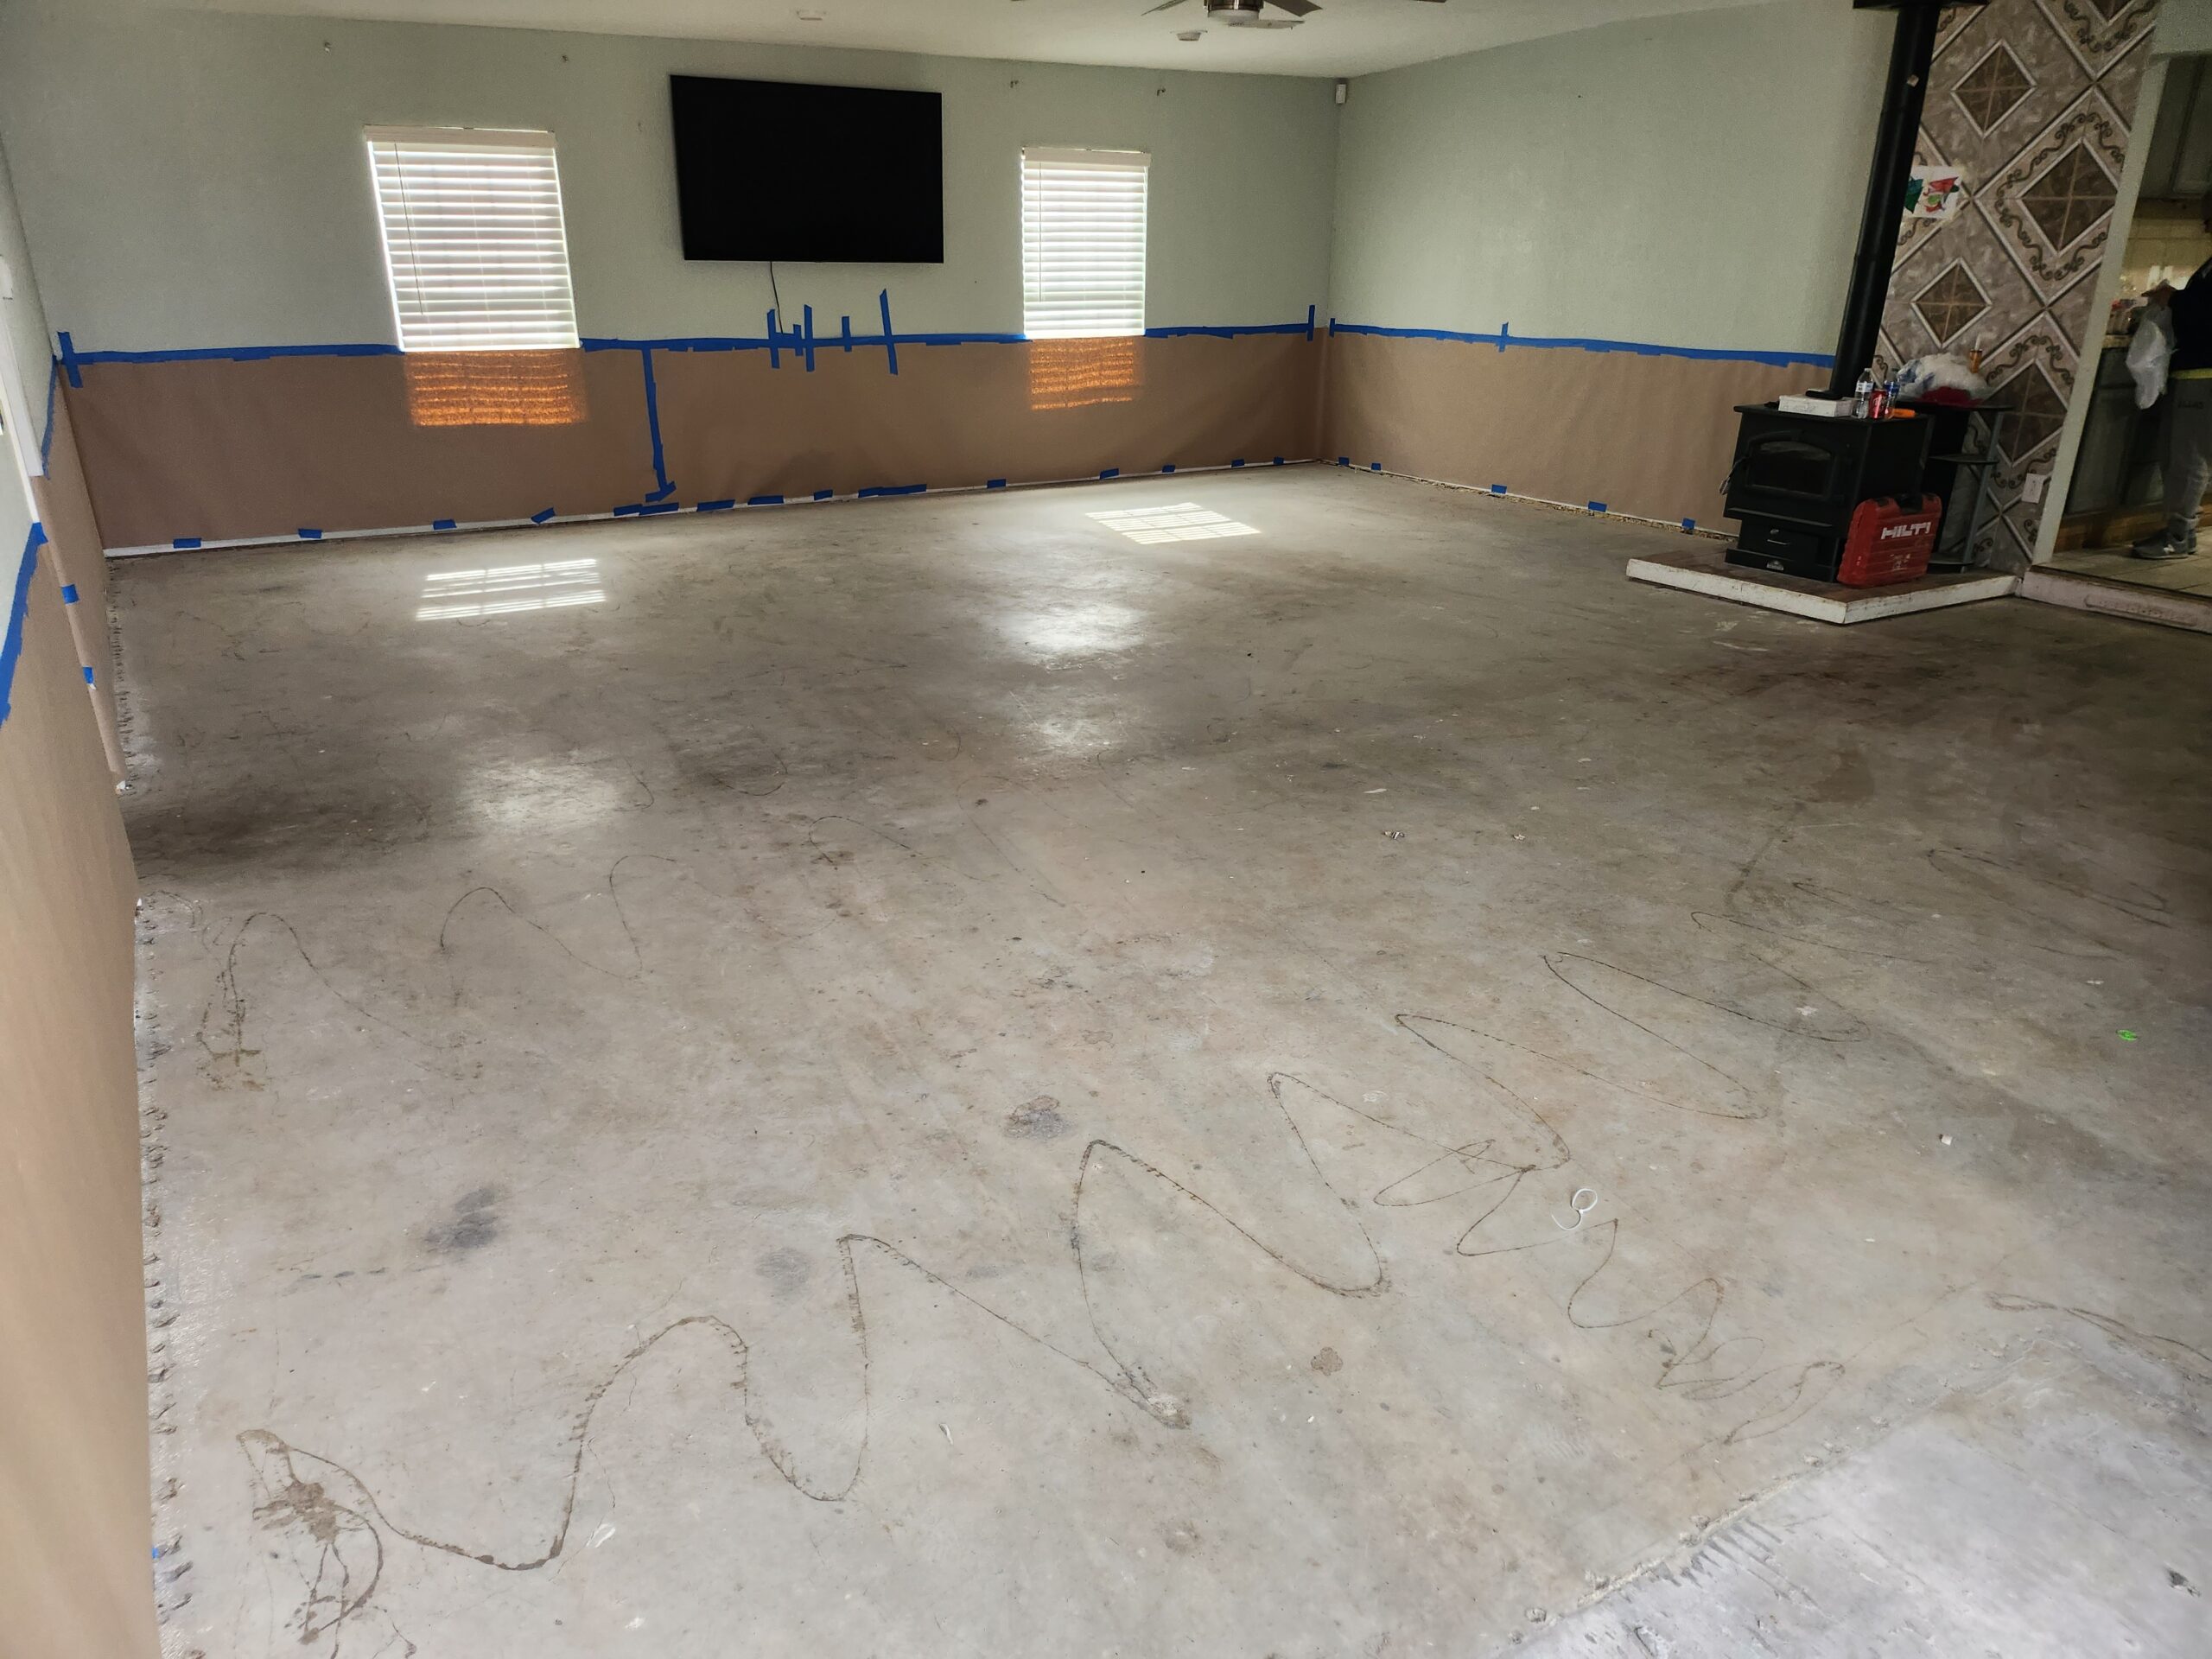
[1858, 399]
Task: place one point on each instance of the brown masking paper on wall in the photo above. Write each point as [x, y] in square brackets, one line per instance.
[1648, 436]
[74, 539]
[964, 414]
[217, 450]
[75, 1511]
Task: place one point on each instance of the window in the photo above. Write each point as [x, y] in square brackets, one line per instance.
[1082, 223]
[473, 238]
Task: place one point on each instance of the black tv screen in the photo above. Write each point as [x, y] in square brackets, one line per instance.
[767, 170]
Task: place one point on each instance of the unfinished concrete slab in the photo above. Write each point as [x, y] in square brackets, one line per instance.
[931, 1077]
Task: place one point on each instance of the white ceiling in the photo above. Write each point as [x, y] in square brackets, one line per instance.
[1348, 37]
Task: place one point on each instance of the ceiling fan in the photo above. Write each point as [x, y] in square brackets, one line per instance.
[1253, 14]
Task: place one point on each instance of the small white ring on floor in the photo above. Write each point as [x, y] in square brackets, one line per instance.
[1580, 1209]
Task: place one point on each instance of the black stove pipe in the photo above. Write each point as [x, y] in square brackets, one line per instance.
[1911, 52]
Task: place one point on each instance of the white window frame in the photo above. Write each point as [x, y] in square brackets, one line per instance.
[1055, 266]
[537, 273]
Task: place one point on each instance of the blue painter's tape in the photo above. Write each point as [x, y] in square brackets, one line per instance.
[444, 523]
[665, 506]
[68, 593]
[630, 511]
[185, 544]
[70, 360]
[1639, 348]
[1309, 322]
[1277, 461]
[1238, 463]
[88, 673]
[994, 483]
[846, 330]
[1169, 467]
[764, 500]
[961, 340]
[219, 355]
[1344, 460]
[823, 495]
[1504, 333]
[662, 488]
[1497, 489]
[544, 517]
[894, 489]
[307, 534]
[11, 643]
[775, 354]
[1373, 465]
[1597, 506]
[717, 506]
[890, 340]
[1111, 472]
[1211, 332]
[1689, 524]
[809, 315]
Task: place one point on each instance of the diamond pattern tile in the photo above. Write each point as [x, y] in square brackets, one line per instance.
[2042, 411]
[1951, 304]
[1994, 88]
[2067, 201]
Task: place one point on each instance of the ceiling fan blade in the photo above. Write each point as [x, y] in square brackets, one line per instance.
[1297, 8]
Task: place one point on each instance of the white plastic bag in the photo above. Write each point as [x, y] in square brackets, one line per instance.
[2149, 353]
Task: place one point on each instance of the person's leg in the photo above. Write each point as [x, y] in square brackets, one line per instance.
[2188, 464]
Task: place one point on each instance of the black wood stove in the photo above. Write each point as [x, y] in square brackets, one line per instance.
[1797, 479]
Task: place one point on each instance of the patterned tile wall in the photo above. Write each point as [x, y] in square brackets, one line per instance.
[2033, 99]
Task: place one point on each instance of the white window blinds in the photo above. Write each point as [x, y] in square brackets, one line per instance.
[1082, 224]
[473, 238]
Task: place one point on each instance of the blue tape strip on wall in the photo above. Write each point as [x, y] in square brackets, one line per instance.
[724, 505]
[890, 340]
[11, 643]
[662, 489]
[68, 593]
[544, 518]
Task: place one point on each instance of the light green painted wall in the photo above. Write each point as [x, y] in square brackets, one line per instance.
[1690, 181]
[2183, 26]
[23, 396]
[198, 179]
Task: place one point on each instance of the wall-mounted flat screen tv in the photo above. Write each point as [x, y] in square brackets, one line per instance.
[768, 170]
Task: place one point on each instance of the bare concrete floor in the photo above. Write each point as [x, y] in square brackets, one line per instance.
[925, 1079]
